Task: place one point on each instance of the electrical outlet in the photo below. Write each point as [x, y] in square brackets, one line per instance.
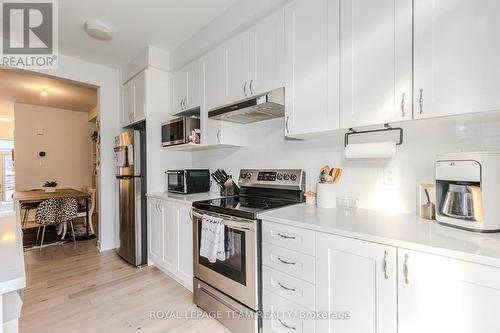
[390, 176]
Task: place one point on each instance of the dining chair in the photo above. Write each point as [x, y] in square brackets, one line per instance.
[82, 209]
[47, 213]
[68, 213]
[27, 207]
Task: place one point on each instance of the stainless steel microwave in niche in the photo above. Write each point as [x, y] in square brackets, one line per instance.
[177, 131]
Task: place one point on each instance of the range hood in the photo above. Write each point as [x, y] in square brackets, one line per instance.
[250, 110]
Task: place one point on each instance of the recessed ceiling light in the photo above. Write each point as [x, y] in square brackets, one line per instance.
[44, 92]
[98, 30]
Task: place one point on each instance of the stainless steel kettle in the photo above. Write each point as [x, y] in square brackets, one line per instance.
[463, 202]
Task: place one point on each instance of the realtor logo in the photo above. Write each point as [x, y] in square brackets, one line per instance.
[29, 34]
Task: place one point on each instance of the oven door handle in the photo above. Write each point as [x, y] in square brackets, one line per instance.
[242, 226]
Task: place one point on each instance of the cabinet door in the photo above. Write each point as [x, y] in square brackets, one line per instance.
[168, 235]
[210, 131]
[312, 66]
[233, 69]
[358, 277]
[140, 96]
[267, 50]
[376, 62]
[456, 57]
[154, 230]
[127, 104]
[184, 262]
[179, 86]
[192, 85]
[438, 294]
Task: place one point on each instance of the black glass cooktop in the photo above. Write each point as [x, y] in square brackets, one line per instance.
[242, 206]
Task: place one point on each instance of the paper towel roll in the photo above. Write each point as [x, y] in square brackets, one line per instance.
[375, 150]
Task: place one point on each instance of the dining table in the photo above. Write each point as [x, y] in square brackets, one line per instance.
[39, 195]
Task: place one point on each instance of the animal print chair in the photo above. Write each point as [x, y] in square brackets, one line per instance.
[47, 213]
[68, 213]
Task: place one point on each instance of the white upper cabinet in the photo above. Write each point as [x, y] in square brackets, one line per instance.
[456, 57]
[140, 96]
[267, 48]
[376, 62]
[186, 88]
[359, 277]
[438, 294]
[134, 100]
[312, 67]
[127, 114]
[179, 91]
[233, 69]
[215, 132]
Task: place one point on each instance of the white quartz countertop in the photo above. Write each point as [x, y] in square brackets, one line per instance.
[12, 274]
[184, 198]
[399, 230]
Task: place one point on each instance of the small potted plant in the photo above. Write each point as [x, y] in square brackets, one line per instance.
[50, 186]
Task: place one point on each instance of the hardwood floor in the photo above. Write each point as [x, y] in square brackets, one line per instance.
[74, 289]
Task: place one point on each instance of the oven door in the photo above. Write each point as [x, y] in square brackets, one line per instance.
[237, 276]
[176, 181]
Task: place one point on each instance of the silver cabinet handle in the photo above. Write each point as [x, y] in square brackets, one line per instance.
[184, 103]
[182, 100]
[218, 136]
[285, 287]
[421, 101]
[285, 236]
[251, 92]
[245, 88]
[286, 262]
[405, 269]
[286, 326]
[403, 105]
[385, 265]
[286, 124]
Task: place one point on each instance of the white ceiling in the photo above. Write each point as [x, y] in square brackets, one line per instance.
[135, 25]
[24, 87]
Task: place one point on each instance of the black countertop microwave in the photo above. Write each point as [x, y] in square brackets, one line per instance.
[188, 181]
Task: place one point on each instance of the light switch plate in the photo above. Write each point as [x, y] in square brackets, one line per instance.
[391, 176]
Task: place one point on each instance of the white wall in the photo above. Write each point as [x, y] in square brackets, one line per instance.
[65, 140]
[414, 162]
[237, 18]
[158, 111]
[107, 79]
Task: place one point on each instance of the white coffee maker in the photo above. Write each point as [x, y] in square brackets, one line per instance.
[468, 191]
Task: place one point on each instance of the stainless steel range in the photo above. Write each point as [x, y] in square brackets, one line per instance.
[232, 286]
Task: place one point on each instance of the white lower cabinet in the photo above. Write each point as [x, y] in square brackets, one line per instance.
[170, 239]
[438, 294]
[365, 287]
[184, 243]
[357, 279]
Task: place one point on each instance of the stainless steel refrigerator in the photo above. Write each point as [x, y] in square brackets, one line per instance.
[130, 165]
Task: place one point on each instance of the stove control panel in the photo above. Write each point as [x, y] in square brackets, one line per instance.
[278, 178]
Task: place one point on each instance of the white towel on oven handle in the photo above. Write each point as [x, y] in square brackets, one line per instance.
[212, 239]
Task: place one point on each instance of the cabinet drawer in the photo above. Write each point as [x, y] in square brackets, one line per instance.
[286, 286]
[292, 238]
[283, 316]
[290, 262]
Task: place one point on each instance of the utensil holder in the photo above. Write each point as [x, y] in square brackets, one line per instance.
[326, 195]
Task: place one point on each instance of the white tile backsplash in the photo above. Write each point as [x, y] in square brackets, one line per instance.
[414, 162]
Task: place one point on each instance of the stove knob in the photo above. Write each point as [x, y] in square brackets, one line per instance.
[280, 176]
[293, 177]
[286, 176]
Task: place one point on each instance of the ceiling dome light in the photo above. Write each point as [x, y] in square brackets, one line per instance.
[98, 30]
[44, 92]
